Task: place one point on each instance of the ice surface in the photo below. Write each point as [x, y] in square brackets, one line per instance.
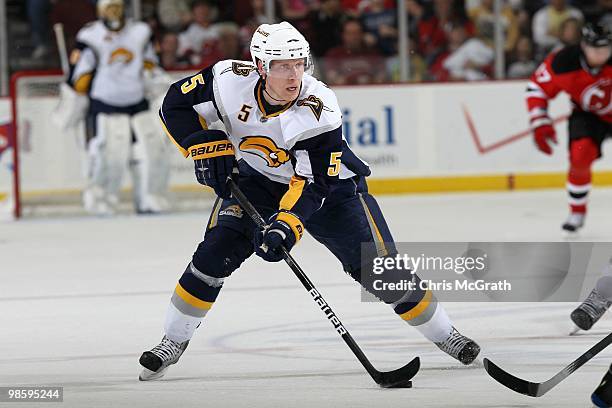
[81, 298]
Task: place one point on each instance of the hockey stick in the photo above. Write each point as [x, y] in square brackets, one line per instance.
[534, 389]
[60, 39]
[399, 378]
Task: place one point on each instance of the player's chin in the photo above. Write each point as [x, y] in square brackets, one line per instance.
[292, 92]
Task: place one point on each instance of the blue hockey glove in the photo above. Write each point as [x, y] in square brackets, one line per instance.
[285, 230]
[213, 159]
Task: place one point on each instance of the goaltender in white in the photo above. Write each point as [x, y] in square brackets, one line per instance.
[110, 67]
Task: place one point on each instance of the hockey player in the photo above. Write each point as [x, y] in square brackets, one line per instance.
[295, 168]
[110, 63]
[584, 72]
[597, 303]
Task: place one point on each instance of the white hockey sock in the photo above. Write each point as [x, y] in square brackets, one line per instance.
[427, 316]
[179, 326]
[438, 328]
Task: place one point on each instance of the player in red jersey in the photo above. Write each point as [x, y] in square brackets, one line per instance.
[584, 72]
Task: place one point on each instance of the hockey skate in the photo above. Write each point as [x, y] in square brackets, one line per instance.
[460, 347]
[149, 204]
[159, 358]
[590, 311]
[574, 222]
[602, 396]
[96, 203]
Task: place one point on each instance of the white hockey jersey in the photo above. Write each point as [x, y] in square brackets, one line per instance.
[108, 65]
[300, 145]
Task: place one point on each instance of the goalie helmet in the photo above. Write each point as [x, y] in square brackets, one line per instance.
[280, 41]
[111, 13]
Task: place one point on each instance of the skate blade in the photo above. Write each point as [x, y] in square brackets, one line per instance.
[148, 375]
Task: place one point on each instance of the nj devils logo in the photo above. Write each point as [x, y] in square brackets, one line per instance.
[596, 98]
[265, 148]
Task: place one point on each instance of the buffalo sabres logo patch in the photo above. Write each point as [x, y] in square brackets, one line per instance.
[265, 148]
[121, 55]
[315, 104]
[240, 69]
[232, 211]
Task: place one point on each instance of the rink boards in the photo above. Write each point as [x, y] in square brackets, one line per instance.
[425, 137]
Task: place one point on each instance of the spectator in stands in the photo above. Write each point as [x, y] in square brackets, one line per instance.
[156, 27]
[600, 12]
[524, 64]
[416, 11]
[547, 22]
[259, 14]
[380, 24]
[417, 67]
[485, 13]
[354, 8]
[38, 14]
[201, 35]
[296, 13]
[456, 38]
[73, 14]
[473, 60]
[351, 7]
[353, 62]
[228, 45]
[327, 22]
[570, 32]
[258, 18]
[168, 52]
[433, 31]
[174, 15]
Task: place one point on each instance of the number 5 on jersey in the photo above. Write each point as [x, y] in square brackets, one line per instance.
[334, 164]
[190, 85]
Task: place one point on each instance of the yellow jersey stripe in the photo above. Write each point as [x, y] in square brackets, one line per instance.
[296, 188]
[419, 308]
[148, 65]
[190, 299]
[376, 230]
[82, 83]
[183, 151]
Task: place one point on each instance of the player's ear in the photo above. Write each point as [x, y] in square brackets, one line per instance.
[260, 69]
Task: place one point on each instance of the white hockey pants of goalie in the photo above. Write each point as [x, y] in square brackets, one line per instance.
[111, 152]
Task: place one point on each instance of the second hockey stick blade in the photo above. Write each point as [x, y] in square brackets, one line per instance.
[537, 389]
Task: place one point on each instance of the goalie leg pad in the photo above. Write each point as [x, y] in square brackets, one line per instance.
[154, 154]
[108, 153]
